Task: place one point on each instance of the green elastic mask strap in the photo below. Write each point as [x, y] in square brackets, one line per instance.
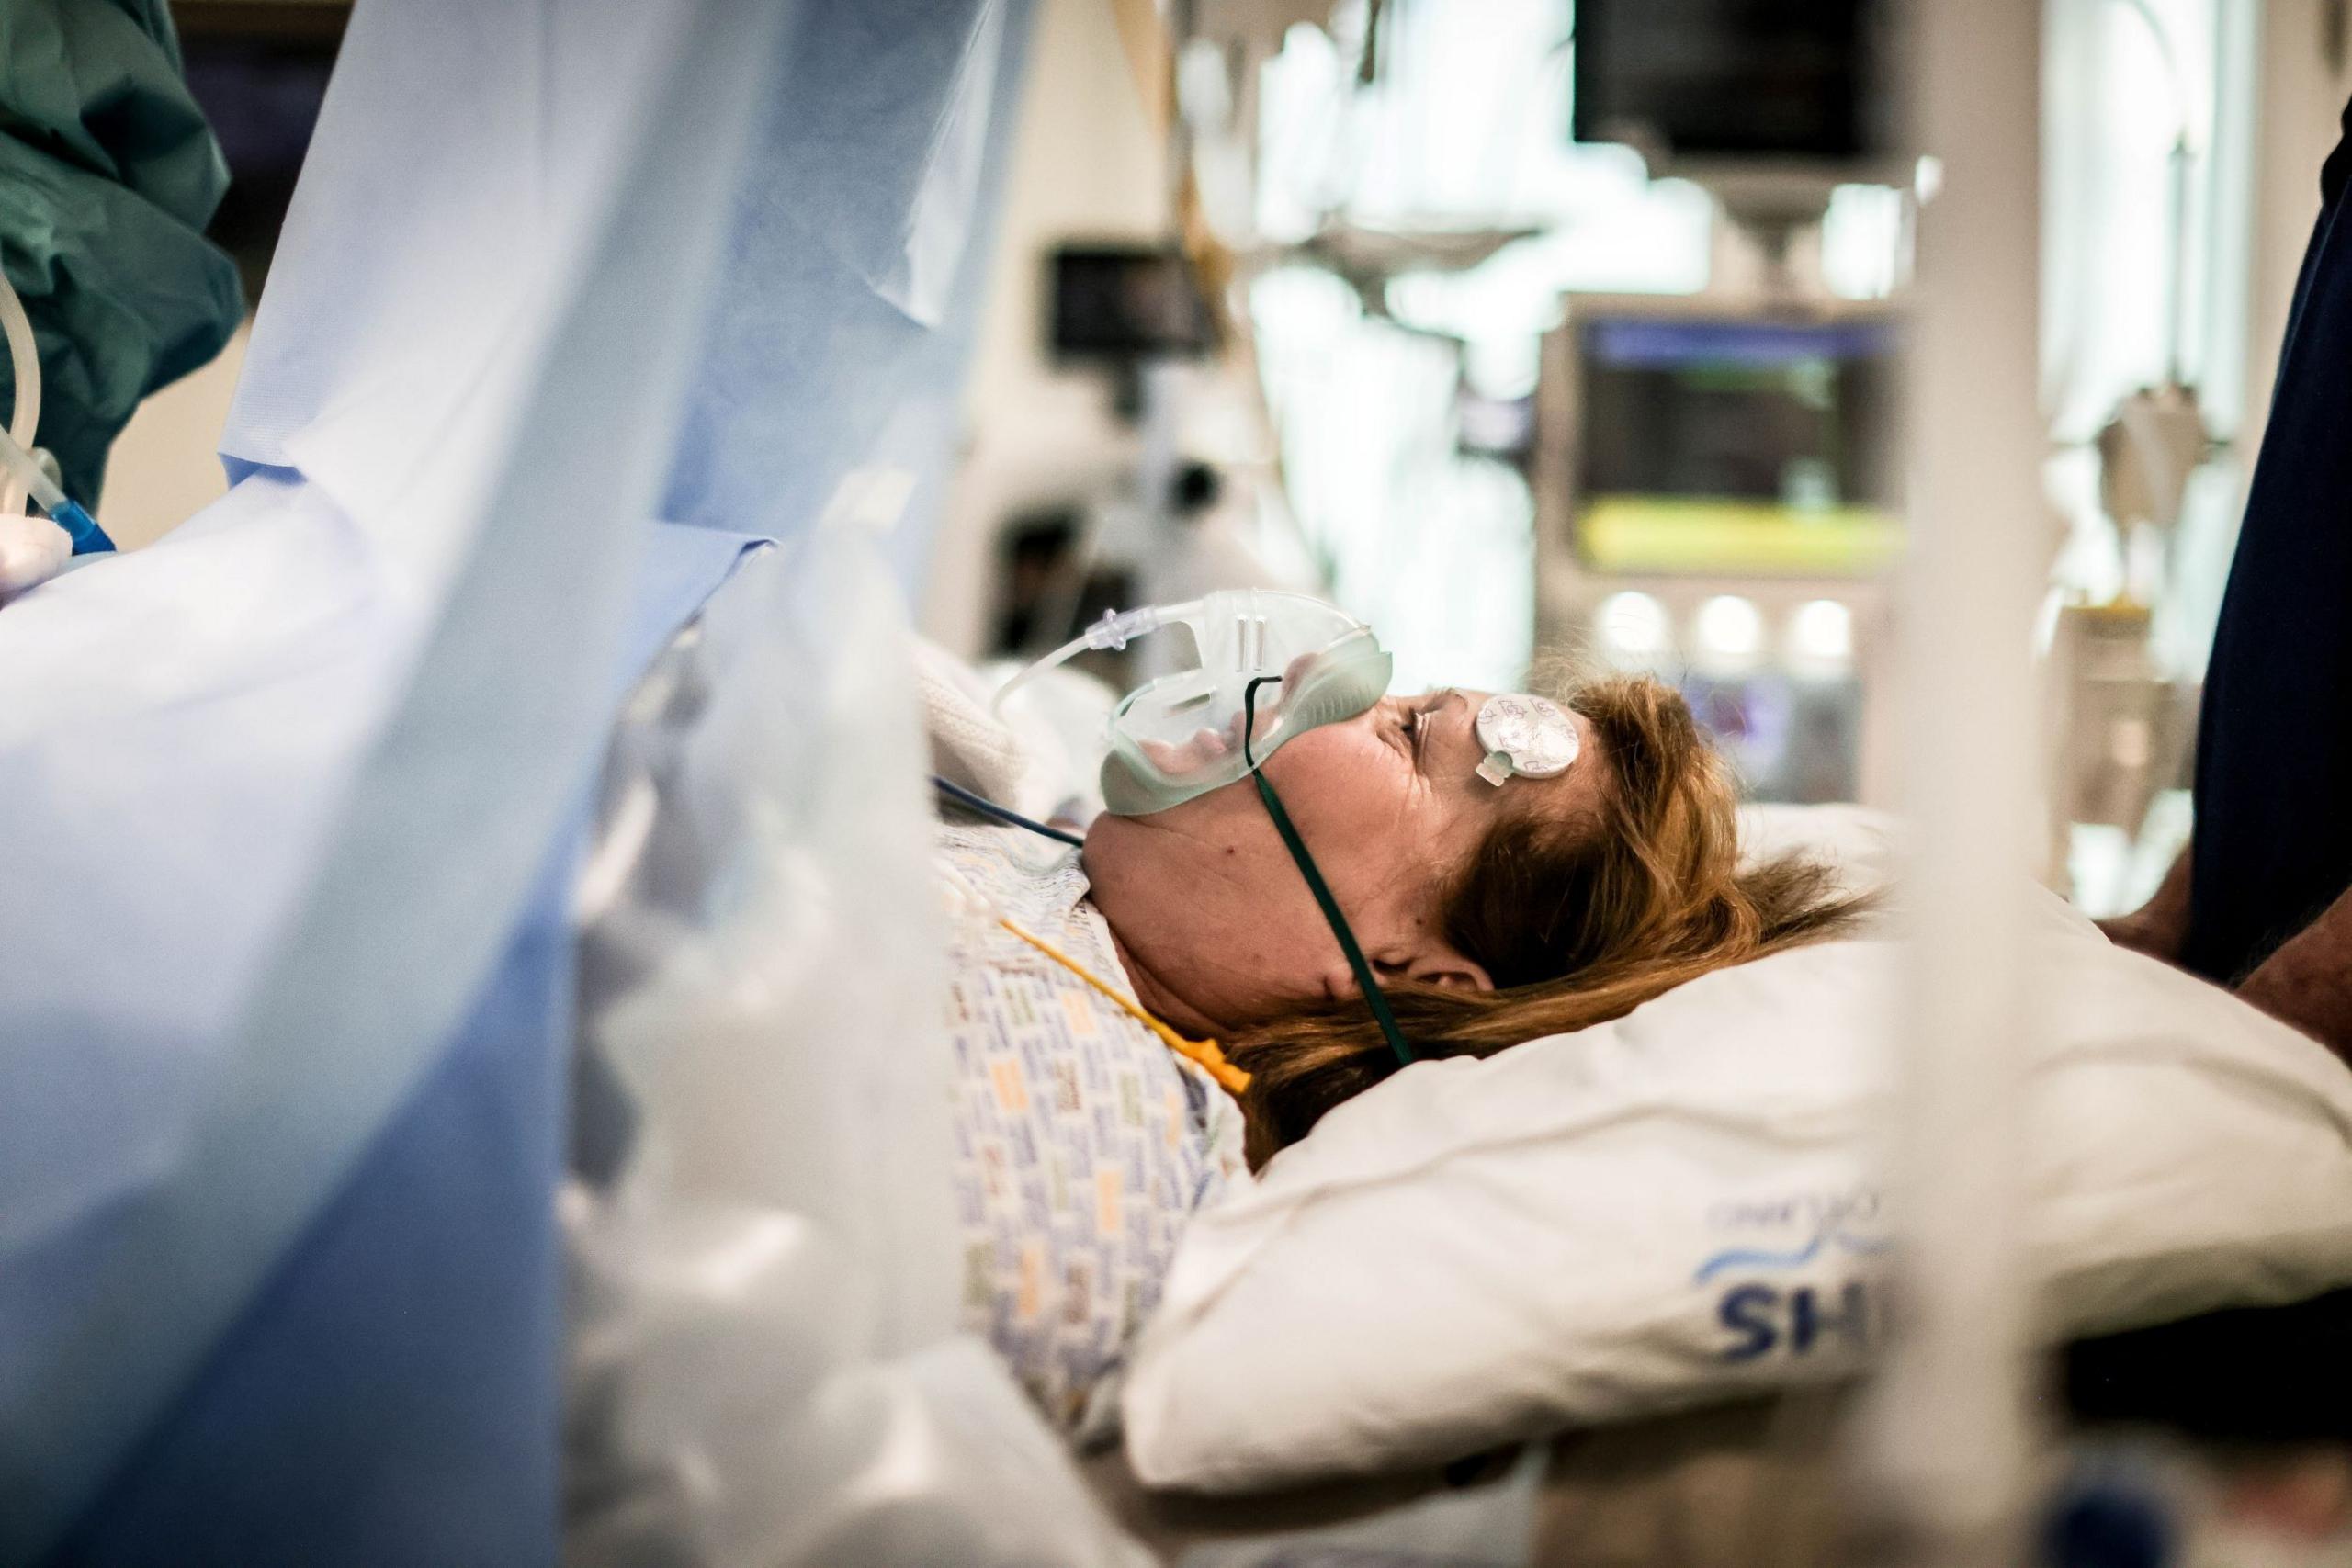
[1372, 997]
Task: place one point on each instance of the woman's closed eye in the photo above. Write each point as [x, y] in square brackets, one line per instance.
[1408, 728]
[1396, 729]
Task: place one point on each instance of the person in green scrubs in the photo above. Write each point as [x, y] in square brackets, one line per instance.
[108, 176]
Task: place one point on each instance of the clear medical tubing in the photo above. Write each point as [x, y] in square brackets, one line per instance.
[1115, 631]
[24, 355]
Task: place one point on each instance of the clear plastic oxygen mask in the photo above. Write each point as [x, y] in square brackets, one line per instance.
[1268, 667]
[1181, 735]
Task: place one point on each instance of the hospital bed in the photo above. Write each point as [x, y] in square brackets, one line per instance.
[1757, 1483]
[1751, 1482]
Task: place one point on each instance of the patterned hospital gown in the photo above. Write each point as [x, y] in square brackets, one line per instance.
[1082, 1143]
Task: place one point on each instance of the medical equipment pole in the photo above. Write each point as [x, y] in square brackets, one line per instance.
[1948, 1431]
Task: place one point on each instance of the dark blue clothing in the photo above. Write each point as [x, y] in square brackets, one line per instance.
[2273, 847]
[2273, 843]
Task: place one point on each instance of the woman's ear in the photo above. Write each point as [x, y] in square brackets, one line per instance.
[1435, 964]
[1450, 969]
[1432, 961]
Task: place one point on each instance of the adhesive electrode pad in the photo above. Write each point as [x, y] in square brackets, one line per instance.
[1532, 737]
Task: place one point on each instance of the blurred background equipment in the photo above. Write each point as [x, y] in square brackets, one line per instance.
[1707, 79]
[1731, 478]
[1125, 304]
[1771, 107]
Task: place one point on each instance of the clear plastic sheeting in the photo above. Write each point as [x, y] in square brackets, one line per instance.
[764, 1368]
[767, 985]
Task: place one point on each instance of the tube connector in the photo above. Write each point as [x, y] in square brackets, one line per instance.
[1118, 627]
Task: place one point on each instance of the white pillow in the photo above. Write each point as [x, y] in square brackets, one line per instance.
[1858, 843]
[1678, 1208]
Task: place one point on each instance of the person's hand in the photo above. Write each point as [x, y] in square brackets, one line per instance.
[2308, 981]
[2158, 927]
[32, 550]
[2141, 932]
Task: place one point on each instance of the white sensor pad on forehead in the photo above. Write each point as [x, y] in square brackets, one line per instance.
[1533, 736]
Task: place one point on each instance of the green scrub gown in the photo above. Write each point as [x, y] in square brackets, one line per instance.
[108, 174]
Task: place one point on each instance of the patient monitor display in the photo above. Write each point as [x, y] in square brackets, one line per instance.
[1725, 444]
[1731, 79]
[1126, 302]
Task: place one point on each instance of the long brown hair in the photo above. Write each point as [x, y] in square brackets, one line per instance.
[1577, 922]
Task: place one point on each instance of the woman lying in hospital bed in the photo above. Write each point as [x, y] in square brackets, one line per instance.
[1489, 912]
[1496, 906]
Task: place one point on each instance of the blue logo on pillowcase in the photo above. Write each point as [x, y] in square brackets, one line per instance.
[1843, 1219]
[1831, 1234]
[1764, 1318]
[1800, 1319]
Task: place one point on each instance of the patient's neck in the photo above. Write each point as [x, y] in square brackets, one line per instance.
[1159, 1000]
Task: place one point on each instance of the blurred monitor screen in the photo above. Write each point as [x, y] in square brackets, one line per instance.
[1729, 79]
[1788, 739]
[1735, 446]
[1126, 303]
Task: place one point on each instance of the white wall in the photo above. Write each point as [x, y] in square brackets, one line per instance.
[1086, 163]
[164, 468]
[2302, 93]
